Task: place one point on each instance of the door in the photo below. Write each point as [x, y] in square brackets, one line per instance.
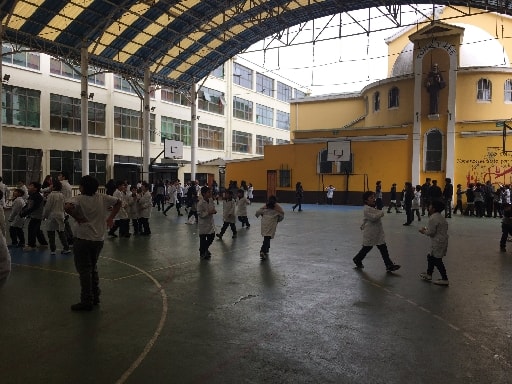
[271, 183]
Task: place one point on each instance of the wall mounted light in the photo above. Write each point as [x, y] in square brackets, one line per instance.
[6, 78]
[91, 95]
[153, 109]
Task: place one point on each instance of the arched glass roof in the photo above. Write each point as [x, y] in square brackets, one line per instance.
[180, 41]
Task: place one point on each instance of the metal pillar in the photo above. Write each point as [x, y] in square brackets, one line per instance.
[145, 127]
[84, 105]
[194, 133]
[1, 112]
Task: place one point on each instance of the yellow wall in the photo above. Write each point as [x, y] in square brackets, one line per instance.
[325, 114]
[468, 108]
[381, 142]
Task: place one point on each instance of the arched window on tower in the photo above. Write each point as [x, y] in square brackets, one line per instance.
[433, 153]
[508, 91]
[376, 101]
[484, 90]
[393, 97]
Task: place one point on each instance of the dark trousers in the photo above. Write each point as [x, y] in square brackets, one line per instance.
[86, 253]
[265, 247]
[367, 248]
[409, 213]
[226, 225]
[448, 208]
[506, 229]
[393, 205]
[298, 204]
[144, 226]
[62, 237]
[17, 236]
[159, 201]
[193, 213]
[204, 242]
[244, 220]
[438, 263]
[136, 226]
[379, 204]
[34, 232]
[424, 205]
[458, 207]
[123, 225]
[329, 200]
[67, 230]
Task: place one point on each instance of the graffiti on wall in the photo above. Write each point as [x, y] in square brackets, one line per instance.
[495, 166]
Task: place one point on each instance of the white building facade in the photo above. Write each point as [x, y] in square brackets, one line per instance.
[240, 110]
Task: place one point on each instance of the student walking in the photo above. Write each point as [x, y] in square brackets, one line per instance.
[192, 200]
[373, 234]
[206, 228]
[53, 212]
[89, 209]
[16, 222]
[241, 208]
[506, 226]
[458, 204]
[145, 204]
[228, 215]
[34, 210]
[271, 214]
[393, 202]
[437, 230]
[379, 203]
[133, 209]
[416, 203]
[330, 193]
[250, 193]
[67, 191]
[299, 194]
[121, 220]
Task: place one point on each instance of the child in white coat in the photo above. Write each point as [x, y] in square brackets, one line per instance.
[437, 230]
[228, 215]
[16, 222]
[373, 233]
[271, 214]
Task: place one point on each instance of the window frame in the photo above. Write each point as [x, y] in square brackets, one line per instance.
[484, 90]
[394, 98]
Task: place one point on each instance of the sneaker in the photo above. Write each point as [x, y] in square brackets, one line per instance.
[219, 236]
[425, 276]
[81, 307]
[358, 264]
[112, 235]
[441, 282]
[392, 267]
[503, 249]
[165, 214]
[65, 252]
[234, 236]
[248, 226]
[263, 256]
[28, 248]
[53, 253]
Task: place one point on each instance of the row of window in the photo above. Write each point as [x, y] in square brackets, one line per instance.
[24, 164]
[243, 76]
[209, 99]
[483, 93]
[21, 107]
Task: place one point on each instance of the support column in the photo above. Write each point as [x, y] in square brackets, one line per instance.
[416, 127]
[145, 127]
[1, 112]
[194, 133]
[450, 127]
[84, 105]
